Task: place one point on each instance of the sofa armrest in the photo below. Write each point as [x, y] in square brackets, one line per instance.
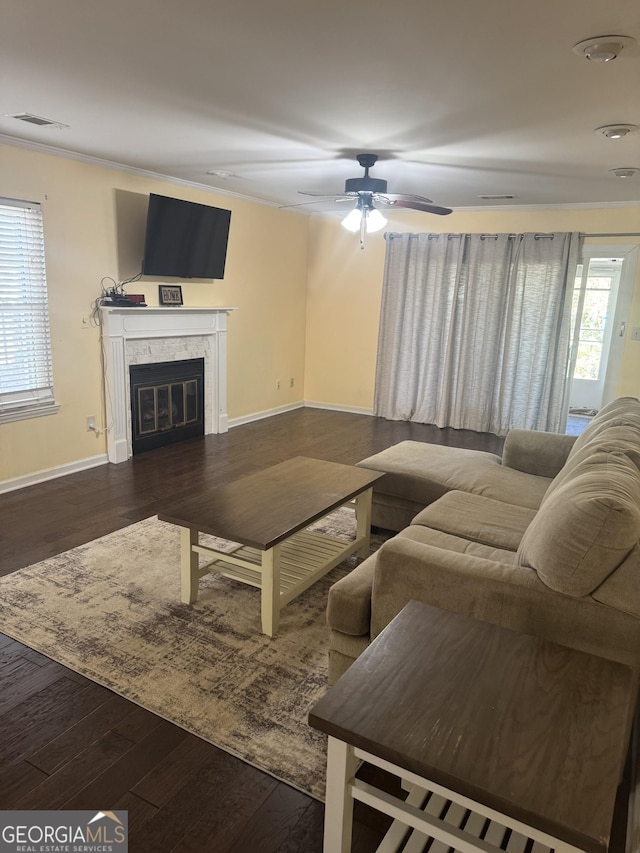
[349, 601]
[535, 452]
[510, 596]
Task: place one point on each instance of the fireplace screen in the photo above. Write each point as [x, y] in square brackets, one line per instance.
[166, 402]
[167, 406]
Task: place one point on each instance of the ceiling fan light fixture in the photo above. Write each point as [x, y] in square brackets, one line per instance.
[352, 220]
[603, 48]
[364, 213]
[375, 220]
[616, 131]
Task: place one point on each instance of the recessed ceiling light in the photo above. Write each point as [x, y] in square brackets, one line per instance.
[603, 48]
[616, 131]
[625, 171]
[38, 120]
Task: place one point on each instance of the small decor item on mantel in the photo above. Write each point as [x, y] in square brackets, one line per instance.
[170, 294]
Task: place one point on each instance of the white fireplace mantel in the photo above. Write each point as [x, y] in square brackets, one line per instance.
[147, 335]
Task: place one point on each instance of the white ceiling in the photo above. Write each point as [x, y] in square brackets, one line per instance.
[459, 97]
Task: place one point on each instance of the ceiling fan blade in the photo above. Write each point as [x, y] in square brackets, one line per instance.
[335, 196]
[425, 208]
[324, 198]
[405, 197]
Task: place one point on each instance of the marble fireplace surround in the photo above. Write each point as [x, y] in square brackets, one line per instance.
[149, 335]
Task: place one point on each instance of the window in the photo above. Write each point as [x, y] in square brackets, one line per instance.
[26, 375]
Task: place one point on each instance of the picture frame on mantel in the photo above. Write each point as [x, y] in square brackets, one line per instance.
[170, 294]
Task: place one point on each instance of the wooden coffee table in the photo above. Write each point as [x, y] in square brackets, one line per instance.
[266, 513]
[505, 741]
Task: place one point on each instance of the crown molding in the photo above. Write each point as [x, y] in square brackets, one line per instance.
[145, 173]
[121, 167]
[585, 205]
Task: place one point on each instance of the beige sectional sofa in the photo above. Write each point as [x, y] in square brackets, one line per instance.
[542, 540]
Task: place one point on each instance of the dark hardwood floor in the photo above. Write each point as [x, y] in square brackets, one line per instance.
[66, 742]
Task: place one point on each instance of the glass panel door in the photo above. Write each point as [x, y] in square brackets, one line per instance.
[595, 293]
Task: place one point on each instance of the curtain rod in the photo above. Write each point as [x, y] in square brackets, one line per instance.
[613, 234]
[390, 235]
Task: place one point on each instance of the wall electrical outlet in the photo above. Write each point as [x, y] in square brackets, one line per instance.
[86, 323]
[91, 424]
[277, 384]
[635, 333]
[292, 382]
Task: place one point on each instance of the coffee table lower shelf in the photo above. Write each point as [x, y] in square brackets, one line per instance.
[281, 572]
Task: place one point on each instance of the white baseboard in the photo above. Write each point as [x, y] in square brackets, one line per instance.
[268, 413]
[103, 459]
[354, 410]
[52, 473]
[310, 404]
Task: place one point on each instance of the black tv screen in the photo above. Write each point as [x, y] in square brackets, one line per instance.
[185, 239]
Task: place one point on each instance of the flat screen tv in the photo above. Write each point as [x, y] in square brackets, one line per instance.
[185, 239]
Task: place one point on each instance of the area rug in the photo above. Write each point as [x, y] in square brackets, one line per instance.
[111, 611]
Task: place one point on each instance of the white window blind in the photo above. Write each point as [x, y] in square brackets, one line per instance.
[26, 375]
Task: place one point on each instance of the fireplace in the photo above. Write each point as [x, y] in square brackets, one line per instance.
[144, 336]
[167, 403]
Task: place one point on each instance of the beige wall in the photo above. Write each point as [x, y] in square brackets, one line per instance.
[344, 289]
[94, 227]
[308, 297]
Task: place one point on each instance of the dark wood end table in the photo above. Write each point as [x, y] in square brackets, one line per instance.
[505, 741]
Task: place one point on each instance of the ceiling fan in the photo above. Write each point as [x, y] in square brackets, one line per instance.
[365, 216]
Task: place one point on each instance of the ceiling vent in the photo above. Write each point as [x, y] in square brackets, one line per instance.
[496, 197]
[38, 120]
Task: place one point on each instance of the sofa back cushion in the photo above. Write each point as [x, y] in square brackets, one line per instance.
[613, 439]
[588, 524]
[624, 411]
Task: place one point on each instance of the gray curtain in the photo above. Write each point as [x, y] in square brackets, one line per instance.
[475, 330]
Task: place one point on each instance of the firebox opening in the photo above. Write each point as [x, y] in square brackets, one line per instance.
[167, 403]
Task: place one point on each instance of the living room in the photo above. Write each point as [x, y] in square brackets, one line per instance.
[290, 276]
[291, 279]
[303, 333]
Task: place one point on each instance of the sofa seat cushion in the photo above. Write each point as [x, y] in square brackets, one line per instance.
[480, 519]
[587, 526]
[459, 544]
[422, 472]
